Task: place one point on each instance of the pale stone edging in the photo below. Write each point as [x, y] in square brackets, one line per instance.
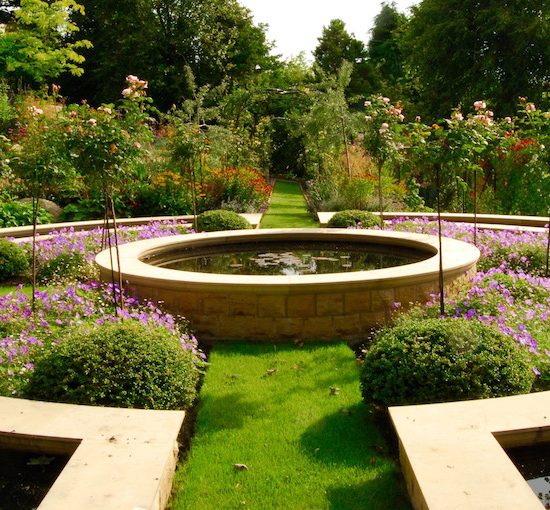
[452, 460]
[278, 308]
[26, 231]
[125, 458]
[487, 220]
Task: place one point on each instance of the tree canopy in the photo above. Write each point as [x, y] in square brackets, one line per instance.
[465, 50]
[336, 46]
[157, 39]
[34, 48]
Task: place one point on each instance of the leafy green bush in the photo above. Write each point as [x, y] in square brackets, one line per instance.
[350, 218]
[124, 364]
[16, 214]
[211, 221]
[520, 256]
[438, 360]
[66, 267]
[12, 260]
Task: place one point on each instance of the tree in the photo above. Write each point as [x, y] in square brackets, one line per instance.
[464, 50]
[157, 39]
[384, 51]
[34, 50]
[337, 46]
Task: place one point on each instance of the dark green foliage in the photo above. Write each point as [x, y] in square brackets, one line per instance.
[212, 221]
[384, 50]
[337, 46]
[122, 364]
[157, 40]
[12, 260]
[350, 218]
[462, 51]
[16, 214]
[439, 360]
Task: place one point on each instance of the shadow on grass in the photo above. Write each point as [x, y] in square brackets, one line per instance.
[386, 492]
[352, 438]
[224, 412]
[349, 437]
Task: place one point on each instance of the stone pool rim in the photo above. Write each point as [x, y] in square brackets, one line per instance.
[458, 257]
[281, 308]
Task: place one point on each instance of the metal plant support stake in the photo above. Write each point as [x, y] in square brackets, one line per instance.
[547, 272]
[380, 198]
[441, 284]
[475, 207]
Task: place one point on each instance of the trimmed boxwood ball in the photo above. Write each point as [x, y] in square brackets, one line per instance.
[212, 221]
[439, 360]
[120, 364]
[13, 260]
[351, 217]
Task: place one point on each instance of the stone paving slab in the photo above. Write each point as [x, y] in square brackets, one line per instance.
[452, 453]
[492, 221]
[26, 231]
[124, 458]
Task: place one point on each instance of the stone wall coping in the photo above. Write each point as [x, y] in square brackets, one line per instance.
[493, 219]
[124, 459]
[26, 231]
[451, 457]
[458, 256]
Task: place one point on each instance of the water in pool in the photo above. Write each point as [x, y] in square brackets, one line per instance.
[290, 258]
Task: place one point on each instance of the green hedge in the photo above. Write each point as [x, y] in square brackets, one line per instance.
[13, 260]
[122, 364]
[352, 217]
[437, 360]
[212, 221]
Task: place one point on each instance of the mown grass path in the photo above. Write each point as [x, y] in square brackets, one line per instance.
[294, 417]
[288, 208]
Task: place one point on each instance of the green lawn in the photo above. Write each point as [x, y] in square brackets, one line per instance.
[27, 289]
[288, 208]
[295, 418]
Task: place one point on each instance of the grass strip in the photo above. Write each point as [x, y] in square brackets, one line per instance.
[294, 417]
[288, 208]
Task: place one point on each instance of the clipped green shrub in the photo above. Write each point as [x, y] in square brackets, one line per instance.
[13, 260]
[66, 267]
[351, 217]
[211, 221]
[439, 360]
[122, 364]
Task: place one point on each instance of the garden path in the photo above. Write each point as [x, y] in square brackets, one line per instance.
[288, 208]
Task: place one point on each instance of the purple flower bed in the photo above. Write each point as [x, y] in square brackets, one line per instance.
[68, 254]
[506, 293]
[24, 336]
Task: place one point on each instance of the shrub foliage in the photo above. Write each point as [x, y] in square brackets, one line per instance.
[122, 364]
[438, 360]
[12, 260]
[211, 221]
[352, 218]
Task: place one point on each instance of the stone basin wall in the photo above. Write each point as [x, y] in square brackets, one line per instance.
[281, 308]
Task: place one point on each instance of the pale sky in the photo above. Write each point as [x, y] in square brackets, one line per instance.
[295, 25]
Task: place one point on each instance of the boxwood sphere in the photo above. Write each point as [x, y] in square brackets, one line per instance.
[121, 364]
[351, 217]
[12, 260]
[438, 360]
[212, 221]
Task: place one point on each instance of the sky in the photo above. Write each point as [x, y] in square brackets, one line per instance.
[295, 25]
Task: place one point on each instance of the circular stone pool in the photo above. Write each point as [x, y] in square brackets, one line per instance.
[338, 305]
[285, 258]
